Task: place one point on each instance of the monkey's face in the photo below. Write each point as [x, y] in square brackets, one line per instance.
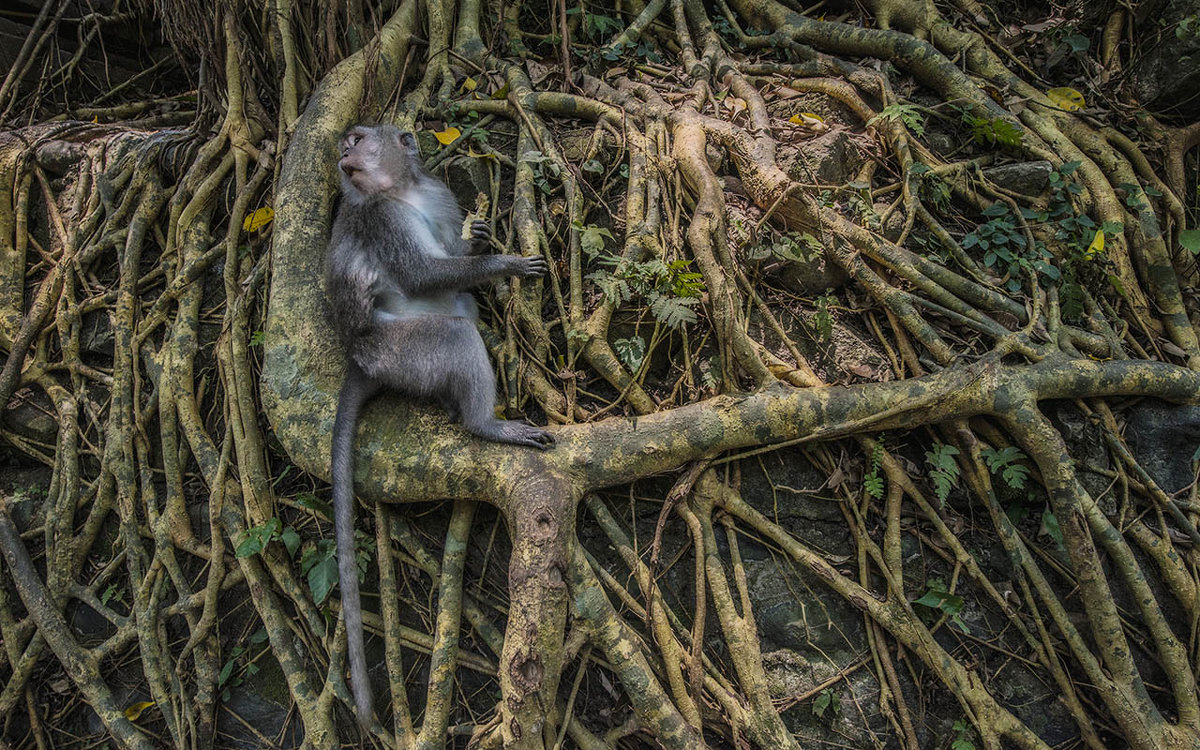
[376, 160]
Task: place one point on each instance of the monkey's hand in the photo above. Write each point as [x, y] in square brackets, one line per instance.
[481, 235]
[527, 267]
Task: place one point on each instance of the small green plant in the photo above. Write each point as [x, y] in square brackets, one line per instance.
[591, 239]
[631, 352]
[1051, 528]
[799, 247]
[909, 114]
[823, 318]
[318, 564]
[544, 169]
[1006, 248]
[937, 596]
[964, 736]
[995, 131]
[113, 593]
[226, 679]
[932, 189]
[670, 288]
[873, 482]
[255, 539]
[1188, 27]
[1005, 462]
[595, 26]
[944, 471]
[1189, 239]
[827, 700]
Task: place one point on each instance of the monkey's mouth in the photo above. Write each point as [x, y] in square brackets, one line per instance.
[349, 169]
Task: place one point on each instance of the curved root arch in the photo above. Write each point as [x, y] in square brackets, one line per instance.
[676, 335]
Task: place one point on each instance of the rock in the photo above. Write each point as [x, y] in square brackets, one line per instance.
[1026, 178]
[832, 158]
[1165, 74]
[1163, 437]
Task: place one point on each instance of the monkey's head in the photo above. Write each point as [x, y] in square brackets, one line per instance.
[378, 160]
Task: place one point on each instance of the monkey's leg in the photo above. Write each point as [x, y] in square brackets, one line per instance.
[357, 389]
[473, 388]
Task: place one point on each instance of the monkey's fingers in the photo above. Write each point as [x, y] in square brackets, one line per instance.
[536, 438]
[481, 231]
[531, 267]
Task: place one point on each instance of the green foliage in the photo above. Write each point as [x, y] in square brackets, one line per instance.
[827, 700]
[595, 26]
[995, 131]
[319, 566]
[1189, 239]
[257, 338]
[931, 188]
[318, 562]
[873, 482]
[631, 352]
[800, 247]
[256, 539]
[669, 287]
[315, 504]
[112, 592]
[1004, 461]
[823, 319]
[226, 679]
[1081, 263]
[964, 736]
[944, 471]
[1077, 42]
[909, 114]
[1051, 528]
[938, 597]
[544, 169]
[1188, 27]
[1007, 249]
[591, 239]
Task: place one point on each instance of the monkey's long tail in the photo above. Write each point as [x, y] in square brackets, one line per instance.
[356, 389]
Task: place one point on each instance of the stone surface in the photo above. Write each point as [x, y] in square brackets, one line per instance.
[1165, 73]
[1026, 177]
[1163, 437]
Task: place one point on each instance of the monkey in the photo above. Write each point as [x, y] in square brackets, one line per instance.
[395, 278]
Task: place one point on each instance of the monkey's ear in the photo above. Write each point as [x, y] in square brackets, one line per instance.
[408, 141]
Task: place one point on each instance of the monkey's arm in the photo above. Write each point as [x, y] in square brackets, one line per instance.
[425, 274]
[349, 281]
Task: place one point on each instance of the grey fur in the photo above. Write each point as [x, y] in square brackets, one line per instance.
[395, 274]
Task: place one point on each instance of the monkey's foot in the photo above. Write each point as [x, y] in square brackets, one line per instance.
[516, 433]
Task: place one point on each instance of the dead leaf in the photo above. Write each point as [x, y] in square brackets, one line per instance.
[1066, 98]
[447, 136]
[258, 219]
[133, 712]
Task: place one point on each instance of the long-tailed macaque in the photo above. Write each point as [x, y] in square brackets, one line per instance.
[395, 277]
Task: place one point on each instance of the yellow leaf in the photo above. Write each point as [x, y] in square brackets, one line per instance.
[448, 136]
[476, 155]
[1067, 98]
[258, 219]
[133, 712]
[806, 118]
[1097, 245]
[501, 92]
[469, 84]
